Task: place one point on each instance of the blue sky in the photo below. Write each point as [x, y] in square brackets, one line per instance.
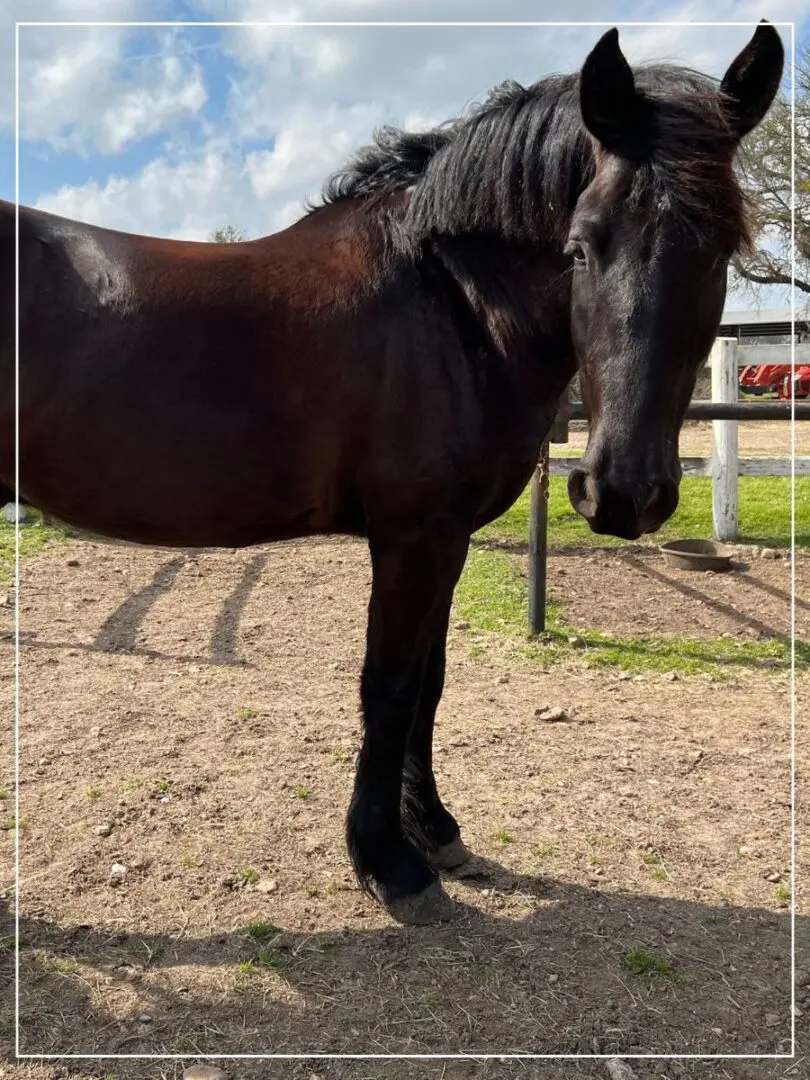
[175, 131]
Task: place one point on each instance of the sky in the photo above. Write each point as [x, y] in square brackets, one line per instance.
[175, 131]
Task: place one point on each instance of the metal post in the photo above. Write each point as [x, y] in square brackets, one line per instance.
[538, 543]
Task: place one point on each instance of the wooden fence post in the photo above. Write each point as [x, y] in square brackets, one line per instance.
[725, 465]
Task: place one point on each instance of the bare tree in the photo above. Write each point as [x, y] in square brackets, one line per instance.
[227, 234]
[766, 172]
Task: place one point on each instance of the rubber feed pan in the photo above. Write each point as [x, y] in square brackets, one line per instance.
[697, 555]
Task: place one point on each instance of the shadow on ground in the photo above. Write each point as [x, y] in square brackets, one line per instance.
[569, 978]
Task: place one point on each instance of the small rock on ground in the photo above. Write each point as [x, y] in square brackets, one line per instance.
[552, 716]
[619, 1070]
[204, 1072]
[118, 874]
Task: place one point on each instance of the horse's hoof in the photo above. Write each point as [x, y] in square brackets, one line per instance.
[450, 856]
[432, 905]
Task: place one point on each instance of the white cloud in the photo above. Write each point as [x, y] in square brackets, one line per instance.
[310, 144]
[165, 195]
[79, 88]
[89, 98]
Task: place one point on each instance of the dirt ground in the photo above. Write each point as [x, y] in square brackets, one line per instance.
[755, 439]
[193, 718]
[750, 602]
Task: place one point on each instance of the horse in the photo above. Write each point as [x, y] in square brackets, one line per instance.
[389, 366]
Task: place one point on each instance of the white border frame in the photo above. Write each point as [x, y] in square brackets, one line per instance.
[470, 1056]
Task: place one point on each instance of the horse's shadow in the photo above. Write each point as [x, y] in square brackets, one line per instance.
[547, 966]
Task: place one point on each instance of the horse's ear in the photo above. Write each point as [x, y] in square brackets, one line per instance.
[751, 82]
[612, 109]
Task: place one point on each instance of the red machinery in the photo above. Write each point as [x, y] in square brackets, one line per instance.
[762, 378]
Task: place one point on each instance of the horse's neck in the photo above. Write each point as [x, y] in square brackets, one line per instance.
[514, 311]
[520, 296]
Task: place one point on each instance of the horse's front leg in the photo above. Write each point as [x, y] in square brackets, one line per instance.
[412, 588]
[428, 822]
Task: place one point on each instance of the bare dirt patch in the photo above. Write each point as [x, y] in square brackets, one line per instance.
[193, 717]
[632, 592]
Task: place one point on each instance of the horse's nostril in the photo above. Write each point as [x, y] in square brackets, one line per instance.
[578, 491]
[660, 505]
[576, 483]
[656, 492]
[582, 492]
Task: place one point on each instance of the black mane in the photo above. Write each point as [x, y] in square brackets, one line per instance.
[517, 163]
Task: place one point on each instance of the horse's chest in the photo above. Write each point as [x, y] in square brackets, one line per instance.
[508, 468]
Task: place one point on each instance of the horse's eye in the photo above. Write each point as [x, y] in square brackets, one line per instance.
[576, 250]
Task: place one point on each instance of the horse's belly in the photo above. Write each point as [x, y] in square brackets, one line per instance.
[196, 489]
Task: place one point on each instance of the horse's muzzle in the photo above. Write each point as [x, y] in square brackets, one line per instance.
[625, 510]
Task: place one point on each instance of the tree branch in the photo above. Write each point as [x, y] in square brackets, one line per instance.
[772, 277]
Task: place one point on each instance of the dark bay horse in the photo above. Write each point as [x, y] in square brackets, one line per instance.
[389, 366]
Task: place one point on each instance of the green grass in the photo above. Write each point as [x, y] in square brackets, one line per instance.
[764, 514]
[268, 958]
[261, 931]
[64, 966]
[33, 539]
[640, 961]
[492, 595]
[153, 953]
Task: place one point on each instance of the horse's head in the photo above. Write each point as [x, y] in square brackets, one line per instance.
[651, 238]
